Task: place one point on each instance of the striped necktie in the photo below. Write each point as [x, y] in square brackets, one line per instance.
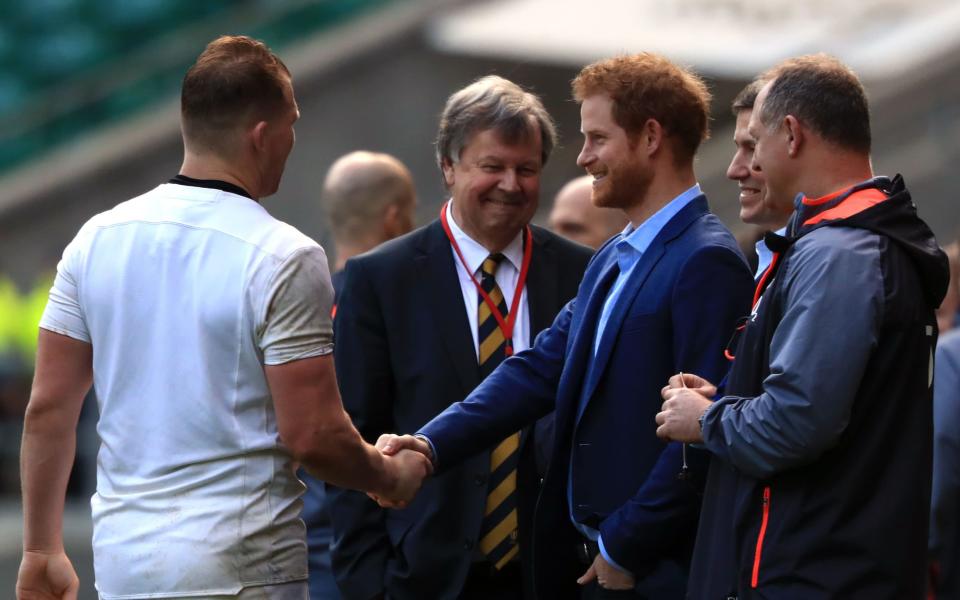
[498, 535]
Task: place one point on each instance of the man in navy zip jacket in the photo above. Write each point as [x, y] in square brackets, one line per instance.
[618, 507]
[826, 415]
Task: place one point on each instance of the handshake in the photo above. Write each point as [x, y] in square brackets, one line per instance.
[408, 461]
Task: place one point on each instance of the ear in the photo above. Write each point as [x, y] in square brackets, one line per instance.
[651, 137]
[795, 135]
[258, 136]
[447, 167]
[391, 220]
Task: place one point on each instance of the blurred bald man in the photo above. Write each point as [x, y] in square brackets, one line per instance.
[369, 198]
[575, 217]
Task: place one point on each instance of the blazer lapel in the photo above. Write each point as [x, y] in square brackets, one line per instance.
[581, 348]
[440, 285]
[641, 271]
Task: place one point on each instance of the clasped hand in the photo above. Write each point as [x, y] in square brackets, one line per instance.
[686, 397]
[409, 462]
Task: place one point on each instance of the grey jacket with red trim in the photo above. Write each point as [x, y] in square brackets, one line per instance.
[819, 486]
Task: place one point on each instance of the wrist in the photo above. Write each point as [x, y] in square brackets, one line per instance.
[429, 446]
[702, 417]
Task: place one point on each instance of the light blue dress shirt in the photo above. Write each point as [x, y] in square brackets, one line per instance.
[764, 254]
[630, 249]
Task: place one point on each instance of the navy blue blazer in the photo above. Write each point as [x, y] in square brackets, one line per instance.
[404, 352]
[676, 313]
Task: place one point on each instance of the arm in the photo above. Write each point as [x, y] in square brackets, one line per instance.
[296, 343]
[833, 299]
[319, 434]
[518, 392]
[712, 292]
[62, 378]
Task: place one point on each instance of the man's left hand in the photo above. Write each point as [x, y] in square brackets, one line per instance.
[679, 419]
[46, 576]
[608, 576]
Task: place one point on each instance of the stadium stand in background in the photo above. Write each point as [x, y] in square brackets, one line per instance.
[71, 66]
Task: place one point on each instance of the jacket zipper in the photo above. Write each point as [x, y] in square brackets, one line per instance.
[760, 536]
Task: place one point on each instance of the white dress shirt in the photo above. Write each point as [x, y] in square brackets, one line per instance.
[507, 274]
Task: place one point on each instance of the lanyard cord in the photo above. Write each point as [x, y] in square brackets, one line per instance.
[505, 324]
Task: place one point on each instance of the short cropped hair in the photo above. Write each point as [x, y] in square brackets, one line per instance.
[235, 81]
[747, 96]
[825, 95]
[648, 86]
[358, 189]
[495, 103]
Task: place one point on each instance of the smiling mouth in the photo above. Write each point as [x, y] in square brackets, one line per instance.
[505, 200]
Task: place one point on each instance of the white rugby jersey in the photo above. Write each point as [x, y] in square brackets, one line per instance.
[184, 293]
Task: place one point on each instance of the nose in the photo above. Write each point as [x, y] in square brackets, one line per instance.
[585, 157]
[739, 168]
[509, 181]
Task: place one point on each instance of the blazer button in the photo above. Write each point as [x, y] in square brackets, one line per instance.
[468, 544]
[480, 479]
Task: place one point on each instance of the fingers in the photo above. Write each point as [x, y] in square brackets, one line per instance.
[409, 468]
[391, 443]
[387, 444]
[414, 457]
[663, 432]
[587, 577]
[691, 381]
[661, 417]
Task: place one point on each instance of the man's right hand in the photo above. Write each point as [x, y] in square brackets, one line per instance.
[391, 443]
[407, 470]
[692, 382]
[46, 576]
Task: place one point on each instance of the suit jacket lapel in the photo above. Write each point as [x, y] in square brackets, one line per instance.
[439, 286]
[641, 271]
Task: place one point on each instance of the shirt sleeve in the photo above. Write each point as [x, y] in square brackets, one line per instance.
[63, 313]
[298, 322]
[833, 288]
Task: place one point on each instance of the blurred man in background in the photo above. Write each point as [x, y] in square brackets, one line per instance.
[756, 208]
[945, 500]
[826, 419]
[205, 325]
[369, 198]
[945, 496]
[947, 314]
[421, 321]
[575, 217]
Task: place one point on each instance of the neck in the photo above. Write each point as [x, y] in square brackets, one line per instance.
[493, 241]
[831, 172]
[347, 250]
[211, 167]
[664, 187]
